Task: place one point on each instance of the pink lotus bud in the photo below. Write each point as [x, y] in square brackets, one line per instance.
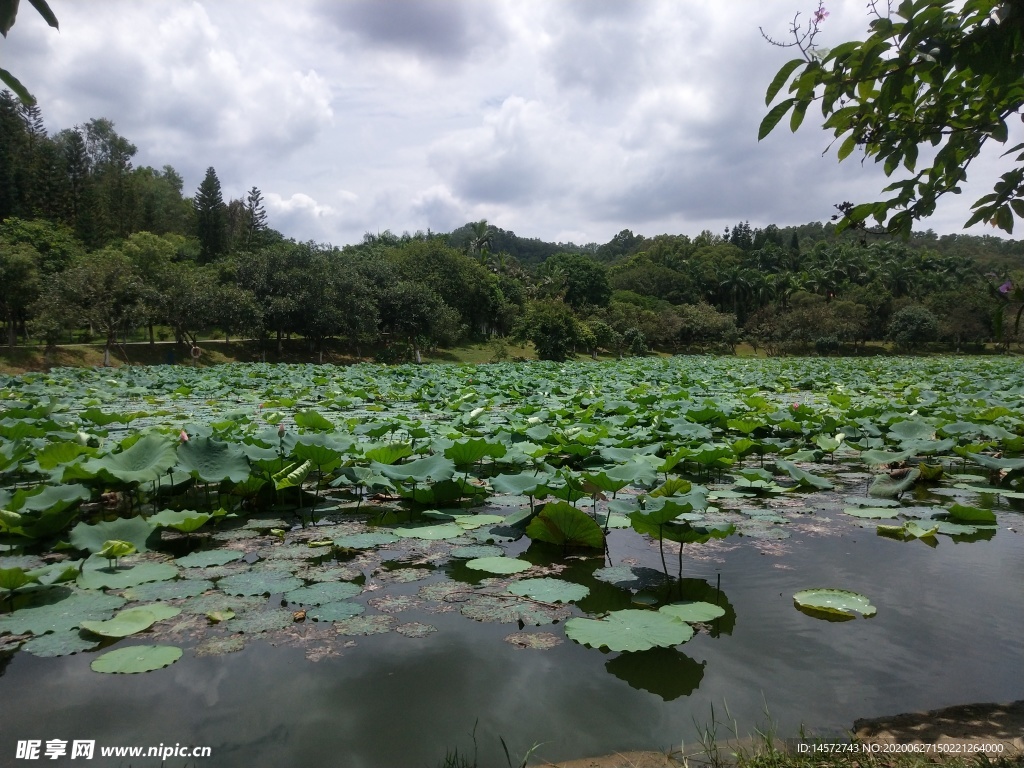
[280, 430]
[796, 406]
[183, 436]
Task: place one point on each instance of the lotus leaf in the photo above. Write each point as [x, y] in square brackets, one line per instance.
[169, 590]
[877, 458]
[430, 532]
[519, 484]
[508, 610]
[98, 575]
[885, 486]
[872, 513]
[389, 454]
[209, 557]
[325, 592]
[47, 498]
[834, 601]
[254, 622]
[561, 523]
[469, 522]
[114, 549]
[365, 625]
[549, 590]
[220, 646]
[502, 565]
[415, 629]
[63, 643]
[538, 641]
[93, 538]
[66, 611]
[991, 462]
[336, 611]
[217, 601]
[629, 630]
[322, 456]
[475, 551]
[694, 611]
[258, 583]
[365, 540]
[146, 460]
[314, 421]
[430, 469]
[636, 577]
[131, 620]
[967, 514]
[912, 429]
[213, 461]
[291, 475]
[472, 450]
[185, 521]
[136, 658]
[803, 477]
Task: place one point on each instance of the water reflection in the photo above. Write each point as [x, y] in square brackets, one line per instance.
[665, 672]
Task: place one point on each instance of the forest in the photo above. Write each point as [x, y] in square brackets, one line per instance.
[95, 248]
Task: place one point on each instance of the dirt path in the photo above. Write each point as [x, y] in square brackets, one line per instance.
[969, 724]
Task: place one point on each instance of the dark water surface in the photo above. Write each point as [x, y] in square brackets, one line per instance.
[948, 631]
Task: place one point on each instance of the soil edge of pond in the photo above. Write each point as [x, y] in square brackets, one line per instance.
[967, 724]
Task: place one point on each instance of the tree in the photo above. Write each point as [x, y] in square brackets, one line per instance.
[211, 218]
[255, 217]
[551, 327]
[930, 73]
[913, 325]
[585, 280]
[8, 13]
[19, 284]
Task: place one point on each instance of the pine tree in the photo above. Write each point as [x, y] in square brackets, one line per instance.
[211, 218]
[256, 217]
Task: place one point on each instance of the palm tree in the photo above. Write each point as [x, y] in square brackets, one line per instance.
[480, 243]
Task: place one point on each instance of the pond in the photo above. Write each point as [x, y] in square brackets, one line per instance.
[440, 664]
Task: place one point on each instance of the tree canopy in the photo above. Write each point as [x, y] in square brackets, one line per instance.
[930, 74]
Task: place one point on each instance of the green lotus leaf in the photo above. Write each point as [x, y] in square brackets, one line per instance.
[337, 611]
[49, 498]
[549, 590]
[258, 583]
[470, 522]
[990, 462]
[470, 451]
[218, 601]
[871, 513]
[320, 594]
[505, 610]
[14, 578]
[430, 469]
[911, 429]
[63, 643]
[430, 532]
[185, 521]
[364, 625]
[98, 575]
[954, 529]
[968, 514]
[674, 486]
[389, 454]
[135, 530]
[313, 421]
[561, 523]
[629, 630]
[803, 477]
[476, 551]
[885, 486]
[524, 484]
[67, 609]
[209, 557]
[115, 549]
[135, 659]
[131, 620]
[255, 622]
[865, 501]
[213, 461]
[501, 565]
[323, 457]
[169, 590]
[693, 612]
[834, 601]
[146, 460]
[366, 540]
[292, 475]
[877, 458]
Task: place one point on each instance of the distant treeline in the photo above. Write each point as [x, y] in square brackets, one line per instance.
[92, 246]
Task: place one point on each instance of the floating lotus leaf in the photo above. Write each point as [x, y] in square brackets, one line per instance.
[334, 611]
[637, 577]
[365, 540]
[258, 583]
[444, 591]
[98, 575]
[502, 565]
[213, 461]
[67, 611]
[885, 486]
[218, 601]
[134, 530]
[803, 477]
[911, 429]
[326, 592]
[131, 620]
[220, 646]
[991, 462]
[393, 603]
[538, 641]
[209, 557]
[834, 601]
[510, 610]
[469, 522]
[254, 622]
[146, 460]
[561, 523]
[954, 529]
[63, 643]
[871, 513]
[185, 521]
[402, 575]
[136, 658]
[430, 532]
[755, 529]
[476, 551]
[365, 625]
[968, 514]
[169, 590]
[629, 630]
[549, 590]
[693, 612]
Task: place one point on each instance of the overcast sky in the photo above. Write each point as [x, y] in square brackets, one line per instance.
[567, 120]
